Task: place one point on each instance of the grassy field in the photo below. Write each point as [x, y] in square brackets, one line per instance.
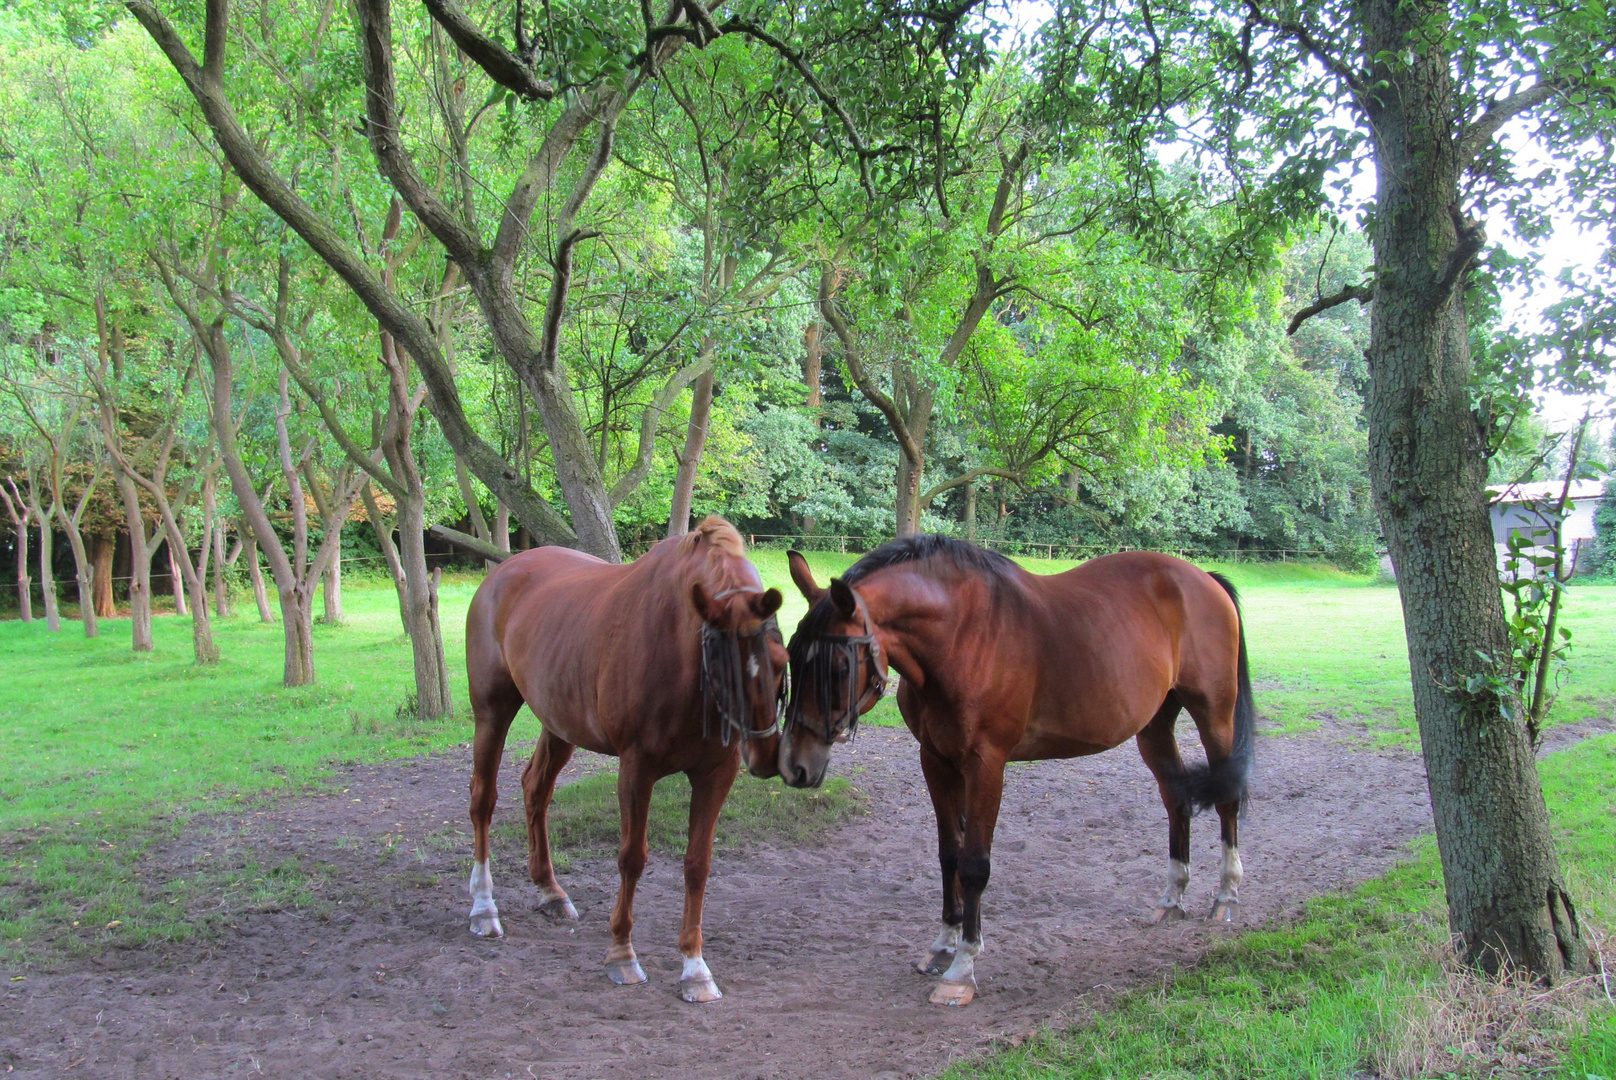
[107, 753]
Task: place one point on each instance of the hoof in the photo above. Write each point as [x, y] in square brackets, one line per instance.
[1224, 911]
[625, 972]
[697, 991]
[949, 992]
[487, 925]
[559, 909]
[939, 962]
[1174, 913]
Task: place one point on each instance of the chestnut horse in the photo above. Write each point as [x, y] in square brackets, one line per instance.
[672, 663]
[1002, 665]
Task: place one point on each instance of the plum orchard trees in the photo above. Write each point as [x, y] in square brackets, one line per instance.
[564, 89]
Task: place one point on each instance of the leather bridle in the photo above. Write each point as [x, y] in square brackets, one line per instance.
[819, 669]
[724, 679]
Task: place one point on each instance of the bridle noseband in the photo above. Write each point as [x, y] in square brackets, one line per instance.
[724, 679]
[819, 670]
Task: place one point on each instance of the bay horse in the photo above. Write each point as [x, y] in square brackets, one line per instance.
[1002, 665]
[672, 663]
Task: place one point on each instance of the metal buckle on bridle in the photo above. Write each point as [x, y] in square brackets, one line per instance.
[818, 670]
[724, 681]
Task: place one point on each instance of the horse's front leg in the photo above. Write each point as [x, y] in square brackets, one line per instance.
[707, 793]
[984, 787]
[947, 789]
[634, 783]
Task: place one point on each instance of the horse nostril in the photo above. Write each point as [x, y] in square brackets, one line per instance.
[800, 778]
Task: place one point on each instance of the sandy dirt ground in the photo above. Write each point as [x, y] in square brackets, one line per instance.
[813, 946]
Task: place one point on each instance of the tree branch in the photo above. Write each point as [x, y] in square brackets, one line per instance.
[1475, 135]
[968, 477]
[503, 66]
[855, 367]
[386, 139]
[1361, 293]
[1312, 46]
[650, 420]
[403, 323]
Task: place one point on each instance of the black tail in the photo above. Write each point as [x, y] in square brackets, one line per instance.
[1202, 786]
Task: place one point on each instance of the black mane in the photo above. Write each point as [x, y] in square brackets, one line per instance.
[904, 549]
[931, 545]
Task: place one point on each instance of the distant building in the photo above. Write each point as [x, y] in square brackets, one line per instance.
[1512, 513]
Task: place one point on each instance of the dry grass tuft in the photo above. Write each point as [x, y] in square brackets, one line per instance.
[1473, 1025]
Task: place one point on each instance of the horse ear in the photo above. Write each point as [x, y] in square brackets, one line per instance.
[803, 577]
[766, 604]
[710, 610]
[841, 594]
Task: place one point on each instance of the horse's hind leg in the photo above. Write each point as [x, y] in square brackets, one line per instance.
[634, 783]
[1159, 747]
[538, 785]
[1214, 716]
[947, 789]
[494, 703]
[707, 793]
[1227, 903]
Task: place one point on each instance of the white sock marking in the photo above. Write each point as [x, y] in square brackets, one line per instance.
[1233, 872]
[963, 969]
[695, 968]
[1178, 878]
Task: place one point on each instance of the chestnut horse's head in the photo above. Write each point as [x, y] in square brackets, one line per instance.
[838, 672]
[743, 663]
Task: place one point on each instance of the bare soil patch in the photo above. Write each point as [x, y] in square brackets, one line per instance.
[813, 946]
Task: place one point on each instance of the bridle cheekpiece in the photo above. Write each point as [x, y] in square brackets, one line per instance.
[818, 668]
[724, 679]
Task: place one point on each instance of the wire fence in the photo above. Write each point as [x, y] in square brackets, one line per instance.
[1036, 549]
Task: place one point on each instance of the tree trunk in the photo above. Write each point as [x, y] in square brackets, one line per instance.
[297, 619]
[970, 513]
[47, 574]
[25, 589]
[255, 574]
[384, 540]
[84, 576]
[103, 552]
[1507, 899]
[432, 700]
[502, 526]
[176, 580]
[333, 588]
[684, 483]
[474, 509]
[812, 365]
[221, 584]
[140, 626]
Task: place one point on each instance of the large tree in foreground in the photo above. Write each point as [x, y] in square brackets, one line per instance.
[1427, 88]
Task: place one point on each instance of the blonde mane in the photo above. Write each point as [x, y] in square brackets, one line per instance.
[719, 535]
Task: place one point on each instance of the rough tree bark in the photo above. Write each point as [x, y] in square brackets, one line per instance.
[21, 516]
[103, 550]
[1507, 898]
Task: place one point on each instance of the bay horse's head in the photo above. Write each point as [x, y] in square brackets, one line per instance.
[743, 670]
[838, 673]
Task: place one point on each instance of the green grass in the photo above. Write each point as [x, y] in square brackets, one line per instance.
[1353, 985]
